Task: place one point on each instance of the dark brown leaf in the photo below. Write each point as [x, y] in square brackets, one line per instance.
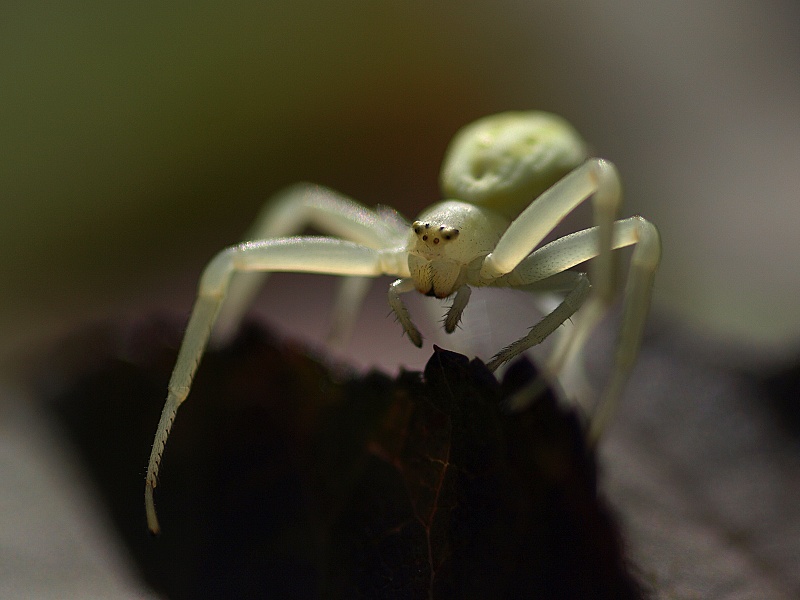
[284, 479]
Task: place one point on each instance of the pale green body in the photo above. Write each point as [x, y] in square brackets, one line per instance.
[504, 161]
[513, 177]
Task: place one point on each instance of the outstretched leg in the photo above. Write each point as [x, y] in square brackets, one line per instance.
[310, 255]
[635, 306]
[596, 179]
[576, 248]
[290, 212]
[599, 180]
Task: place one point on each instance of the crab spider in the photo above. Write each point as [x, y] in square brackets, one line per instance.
[512, 178]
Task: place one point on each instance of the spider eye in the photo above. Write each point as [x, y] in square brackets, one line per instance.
[449, 234]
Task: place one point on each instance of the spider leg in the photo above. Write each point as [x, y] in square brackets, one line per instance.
[547, 325]
[635, 306]
[311, 255]
[456, 309]
[349, 300]
[402, 286]
[571, 250]
[289, 213]
[596, 179]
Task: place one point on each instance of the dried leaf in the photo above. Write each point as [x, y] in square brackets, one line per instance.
[285, 479]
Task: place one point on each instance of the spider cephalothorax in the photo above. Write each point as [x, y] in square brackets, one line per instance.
[447, 239]
[513, 177]
[434, 272]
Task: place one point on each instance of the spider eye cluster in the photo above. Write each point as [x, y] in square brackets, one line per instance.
[432, 234]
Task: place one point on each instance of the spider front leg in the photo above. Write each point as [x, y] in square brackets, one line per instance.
[290, 212]
[310, 255]
[596, 179]
[571, 250]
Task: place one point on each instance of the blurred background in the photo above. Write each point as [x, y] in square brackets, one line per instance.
[137, 140]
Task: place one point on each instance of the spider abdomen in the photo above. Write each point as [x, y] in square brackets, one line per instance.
[504, 161]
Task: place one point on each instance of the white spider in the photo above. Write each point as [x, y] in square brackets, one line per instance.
[486, 236]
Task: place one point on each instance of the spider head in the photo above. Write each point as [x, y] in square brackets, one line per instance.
[444, 240]
[434, 273]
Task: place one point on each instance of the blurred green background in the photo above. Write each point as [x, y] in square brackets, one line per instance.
[137, 139]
